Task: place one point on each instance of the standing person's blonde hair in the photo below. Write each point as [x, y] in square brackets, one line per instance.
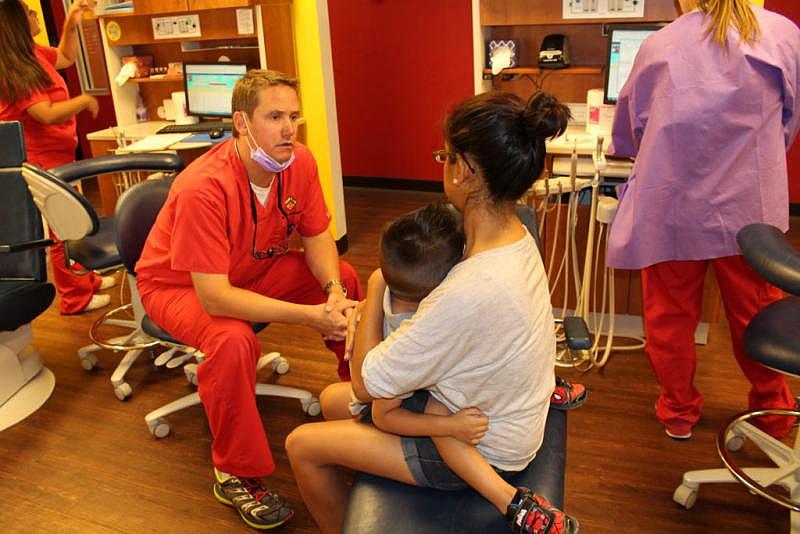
[727, 13]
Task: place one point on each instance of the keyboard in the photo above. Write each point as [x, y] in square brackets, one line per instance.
[200, 127]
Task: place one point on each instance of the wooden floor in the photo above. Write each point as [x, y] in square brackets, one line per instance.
[85, 461]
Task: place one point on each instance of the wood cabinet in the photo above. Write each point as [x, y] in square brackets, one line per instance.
[529, 22]
[522, 12]
[150, 7]
[269, 45]
[195, 5]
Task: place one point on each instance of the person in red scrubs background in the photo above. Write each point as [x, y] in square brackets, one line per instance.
[32, 92]
[218, 259]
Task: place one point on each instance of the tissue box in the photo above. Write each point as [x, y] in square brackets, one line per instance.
[510, 46]
[143, 65]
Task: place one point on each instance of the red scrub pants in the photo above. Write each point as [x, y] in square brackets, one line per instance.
[75, 290]
[673, 295]
[226, 379]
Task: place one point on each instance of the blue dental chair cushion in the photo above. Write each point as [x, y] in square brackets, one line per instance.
[382, 505]
[22, 301]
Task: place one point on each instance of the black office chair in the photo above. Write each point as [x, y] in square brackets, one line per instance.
[135, 214]
[25, 384]
[92, 243]
[772, 339]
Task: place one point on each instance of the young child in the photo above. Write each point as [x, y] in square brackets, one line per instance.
[416, 253]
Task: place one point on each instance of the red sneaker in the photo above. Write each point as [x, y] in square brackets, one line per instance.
[529, 513]
[567, 396]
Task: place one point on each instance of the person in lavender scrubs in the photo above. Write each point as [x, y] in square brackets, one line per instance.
[709, 110]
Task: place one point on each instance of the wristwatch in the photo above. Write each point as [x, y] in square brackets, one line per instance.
[327, 287]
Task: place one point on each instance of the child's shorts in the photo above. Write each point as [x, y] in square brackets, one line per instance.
[422, 457]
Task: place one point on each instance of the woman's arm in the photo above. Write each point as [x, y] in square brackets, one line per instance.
[68, 45]
[48, 112]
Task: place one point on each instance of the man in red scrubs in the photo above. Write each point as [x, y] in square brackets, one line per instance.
[218, 259]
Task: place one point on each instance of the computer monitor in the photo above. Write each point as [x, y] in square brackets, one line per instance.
[209, 87]
[624, 41]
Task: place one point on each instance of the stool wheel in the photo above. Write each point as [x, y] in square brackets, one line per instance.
[88, 361]
[734, 441]
[159, 428]
[190, 370]
[311, 406]
[685, 496]
[280, 365]
[123, 391]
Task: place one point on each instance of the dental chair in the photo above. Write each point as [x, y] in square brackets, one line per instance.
[91, 241]
[772, 339]
[25, 383]
[135, 214]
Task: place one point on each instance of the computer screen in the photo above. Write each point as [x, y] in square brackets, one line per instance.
[209, 87]
[624, 41]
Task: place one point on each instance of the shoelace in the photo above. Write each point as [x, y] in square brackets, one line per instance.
[256, 489]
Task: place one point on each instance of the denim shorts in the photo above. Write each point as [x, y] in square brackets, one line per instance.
[422, 457]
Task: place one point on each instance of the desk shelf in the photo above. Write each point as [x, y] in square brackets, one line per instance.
[177, 79]
[568, 71]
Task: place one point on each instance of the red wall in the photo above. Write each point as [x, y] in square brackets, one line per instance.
[398, 68]
[790, 9]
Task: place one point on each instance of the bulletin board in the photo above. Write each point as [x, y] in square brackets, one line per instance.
[91, 61]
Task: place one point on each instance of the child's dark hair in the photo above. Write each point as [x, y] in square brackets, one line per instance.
[505, 136]
[418, 250]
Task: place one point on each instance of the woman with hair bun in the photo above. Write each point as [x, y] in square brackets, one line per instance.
[481, 339]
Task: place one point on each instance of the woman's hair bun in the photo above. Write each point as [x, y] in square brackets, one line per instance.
[544, 116]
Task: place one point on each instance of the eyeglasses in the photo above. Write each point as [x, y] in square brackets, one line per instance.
[443, 156]
[275, 250]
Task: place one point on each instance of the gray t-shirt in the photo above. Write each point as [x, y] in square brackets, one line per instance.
[484, 337]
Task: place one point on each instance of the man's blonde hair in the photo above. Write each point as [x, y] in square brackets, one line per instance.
[245, 93]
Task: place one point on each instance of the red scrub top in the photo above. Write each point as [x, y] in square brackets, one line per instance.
[206, 225]
[47, 145]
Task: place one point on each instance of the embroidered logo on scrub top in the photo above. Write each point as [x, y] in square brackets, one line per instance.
[290, 203]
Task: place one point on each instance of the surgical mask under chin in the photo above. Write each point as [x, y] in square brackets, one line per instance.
[267, 162]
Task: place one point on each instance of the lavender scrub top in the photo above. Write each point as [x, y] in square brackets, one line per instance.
[709, 131]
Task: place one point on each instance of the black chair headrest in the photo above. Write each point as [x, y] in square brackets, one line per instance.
[767, 250]
[135, 214]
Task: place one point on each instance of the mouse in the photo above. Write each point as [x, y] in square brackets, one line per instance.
[216, 133]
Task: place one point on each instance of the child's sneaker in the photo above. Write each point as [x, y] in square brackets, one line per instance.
[529, 513]
[567, 396]
[259, 507]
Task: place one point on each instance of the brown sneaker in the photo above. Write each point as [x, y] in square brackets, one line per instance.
[259, 507]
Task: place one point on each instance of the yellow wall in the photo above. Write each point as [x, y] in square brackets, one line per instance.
[42, 37]
[315, 72]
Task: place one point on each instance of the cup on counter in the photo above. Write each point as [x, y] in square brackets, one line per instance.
[181, 112]
[169, 109]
